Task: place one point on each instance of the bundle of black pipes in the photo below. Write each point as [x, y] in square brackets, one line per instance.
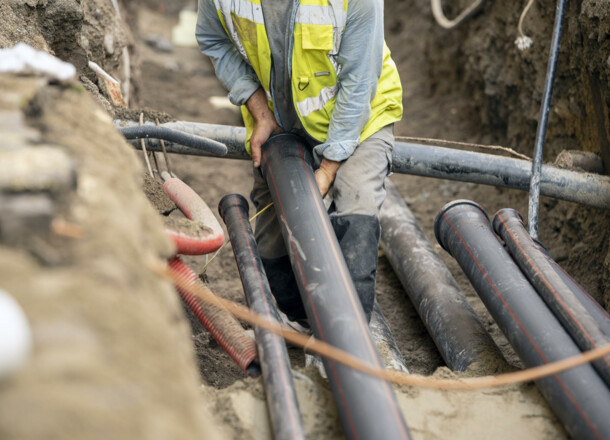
[578, 396]
[367, 406]
[431, 161]
[273, 356]
[454, 327]
[566, 306]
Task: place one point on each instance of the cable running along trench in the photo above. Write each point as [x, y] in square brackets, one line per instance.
[324, 349]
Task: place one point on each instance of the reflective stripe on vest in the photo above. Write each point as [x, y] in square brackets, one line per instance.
[249, 10]
[316, 103]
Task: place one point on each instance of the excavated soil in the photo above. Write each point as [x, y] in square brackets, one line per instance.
[113, 356]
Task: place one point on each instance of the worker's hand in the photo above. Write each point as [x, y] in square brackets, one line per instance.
[263, 129]
[264, 123]
[325, 175]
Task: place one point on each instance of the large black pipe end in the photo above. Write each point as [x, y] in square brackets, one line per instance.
[454, 209]
[232, 201]
[287, 146]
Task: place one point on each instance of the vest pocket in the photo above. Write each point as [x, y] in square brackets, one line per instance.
[317, 37]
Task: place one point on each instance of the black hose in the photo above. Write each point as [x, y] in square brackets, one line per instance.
[579, 397]
[585, 330]
[277, 375]
[190, 140]
[367, 406]
[454, 327]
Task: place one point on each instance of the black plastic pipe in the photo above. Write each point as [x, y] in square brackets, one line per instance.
[433, 161]
[454, 327]
[534, 200]
[568, 309]
[190, 140]
[593, 307]
[367, 406]
[273, 356]
[579, 397]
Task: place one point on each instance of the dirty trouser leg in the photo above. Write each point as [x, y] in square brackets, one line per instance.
[358, 193]
[272, 249]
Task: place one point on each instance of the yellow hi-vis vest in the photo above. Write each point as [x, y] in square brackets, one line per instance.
[318, 29]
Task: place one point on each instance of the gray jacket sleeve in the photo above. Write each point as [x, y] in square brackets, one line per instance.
[235, 74]
[362, 40]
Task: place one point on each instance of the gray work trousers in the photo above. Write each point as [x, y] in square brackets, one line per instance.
[358, 193]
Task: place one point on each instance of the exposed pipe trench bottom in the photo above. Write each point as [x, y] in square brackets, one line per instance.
[454, 327]
[367, 406]
[432, 161]
[220, 323]
[559, 298]
[579, 397]
[275, 364]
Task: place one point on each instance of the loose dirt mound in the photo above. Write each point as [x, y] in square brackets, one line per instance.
[112, 357]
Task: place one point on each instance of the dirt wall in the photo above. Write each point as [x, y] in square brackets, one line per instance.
[492, 92]
[112, 356]
[505, 85]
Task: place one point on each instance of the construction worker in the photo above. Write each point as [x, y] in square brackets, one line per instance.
[319, 69]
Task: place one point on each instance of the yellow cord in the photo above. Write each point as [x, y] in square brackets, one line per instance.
[226, 242]
[261, 211]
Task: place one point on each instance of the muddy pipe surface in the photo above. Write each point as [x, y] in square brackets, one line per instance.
[454, 327]
[431, 161]
[367, 406]
[579, 396]
[568, 309]
[273, 356]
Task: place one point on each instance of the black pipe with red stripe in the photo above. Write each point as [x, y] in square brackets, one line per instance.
[578, 396]
[367, 406]
[566, 306]
[593, 307]
[277, 375]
